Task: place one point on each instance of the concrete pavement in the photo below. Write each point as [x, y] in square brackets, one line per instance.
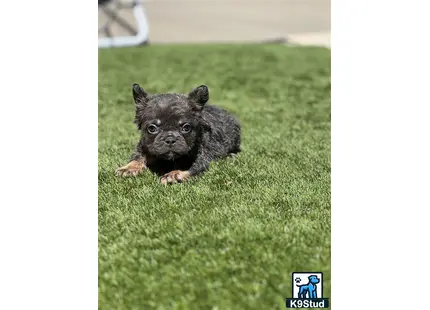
[304, 22]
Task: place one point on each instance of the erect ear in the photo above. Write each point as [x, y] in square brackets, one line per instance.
[199, 95]
[140, 96]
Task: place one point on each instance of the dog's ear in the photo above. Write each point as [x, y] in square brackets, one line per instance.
[141, 99]
[199, 95]
[140, 96]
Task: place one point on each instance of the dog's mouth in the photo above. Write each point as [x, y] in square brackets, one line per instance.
[171, 155]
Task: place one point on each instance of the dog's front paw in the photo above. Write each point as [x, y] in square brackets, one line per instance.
[175, 176]
[133, 168]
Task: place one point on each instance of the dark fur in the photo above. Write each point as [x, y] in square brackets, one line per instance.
[214, 133]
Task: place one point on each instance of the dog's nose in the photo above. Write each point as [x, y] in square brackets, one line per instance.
[170, 140]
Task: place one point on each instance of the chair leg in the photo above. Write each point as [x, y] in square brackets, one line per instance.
[141, 37]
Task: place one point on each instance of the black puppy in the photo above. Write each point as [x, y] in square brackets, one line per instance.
[180, 134]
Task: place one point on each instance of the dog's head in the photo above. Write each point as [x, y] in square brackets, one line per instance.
[171, 123]
[314, 279]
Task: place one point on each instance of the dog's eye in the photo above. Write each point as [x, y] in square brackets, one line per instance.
[186, 128]
[152, 129]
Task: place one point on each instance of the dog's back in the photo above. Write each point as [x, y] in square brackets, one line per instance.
[225, 130]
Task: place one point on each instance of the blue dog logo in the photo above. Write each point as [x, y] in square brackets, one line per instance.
[309, 290]
[309, 295]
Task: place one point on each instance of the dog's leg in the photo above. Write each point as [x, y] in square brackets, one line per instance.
[302, 292]
[200, 165]
[175, 176]
[134, 167]
[308, 292]
[313, 292]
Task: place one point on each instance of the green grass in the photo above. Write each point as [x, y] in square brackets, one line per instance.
[231, 238]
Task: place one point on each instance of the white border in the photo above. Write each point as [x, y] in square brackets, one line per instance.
[380, 138]
[48, 128]
[380, 154]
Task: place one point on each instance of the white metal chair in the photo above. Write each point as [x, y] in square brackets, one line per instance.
[111, 9]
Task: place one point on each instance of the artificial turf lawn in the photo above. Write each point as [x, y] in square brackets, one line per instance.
[231, 238]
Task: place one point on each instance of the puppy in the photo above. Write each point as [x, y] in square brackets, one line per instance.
[180, 134]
